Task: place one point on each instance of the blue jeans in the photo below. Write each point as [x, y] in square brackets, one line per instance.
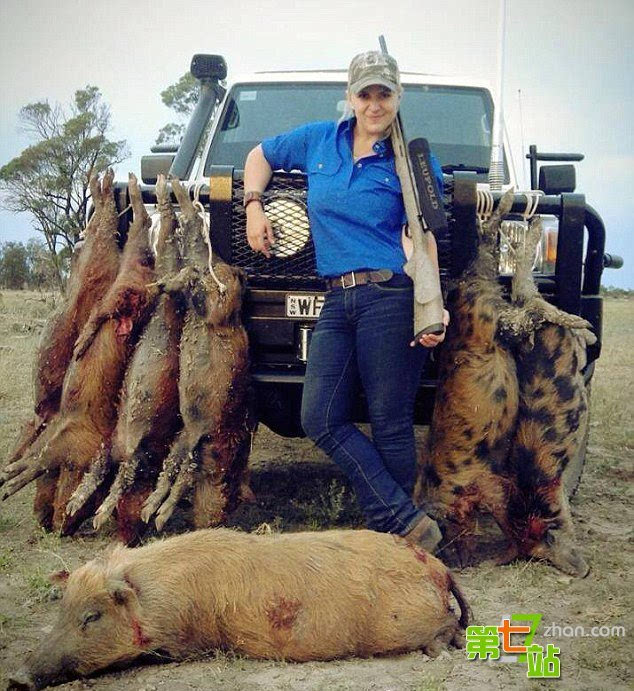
[363, 336]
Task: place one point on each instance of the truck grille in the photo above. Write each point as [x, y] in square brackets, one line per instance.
[293, 264]
[293, 260]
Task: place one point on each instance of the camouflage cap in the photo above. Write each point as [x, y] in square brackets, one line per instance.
[373, 67]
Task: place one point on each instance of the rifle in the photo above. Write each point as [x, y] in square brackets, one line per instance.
[425, 212]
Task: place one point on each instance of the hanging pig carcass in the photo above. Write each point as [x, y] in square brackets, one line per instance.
[88, 408]
[492, 444]
[302, 596]
[210, 455]
[149, 416]
[93, 271]
[464, 470]
[553, 401]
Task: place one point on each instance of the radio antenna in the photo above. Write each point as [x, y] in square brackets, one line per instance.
[496, 169]
[519, 101]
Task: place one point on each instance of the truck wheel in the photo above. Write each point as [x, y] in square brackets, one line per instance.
[574, 469]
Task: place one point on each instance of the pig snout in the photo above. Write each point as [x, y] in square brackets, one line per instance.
[38, 673]
[21, 681]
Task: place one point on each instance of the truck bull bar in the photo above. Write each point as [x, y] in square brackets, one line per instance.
[576, 283]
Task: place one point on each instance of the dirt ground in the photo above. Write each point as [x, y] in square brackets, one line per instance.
[297, 488]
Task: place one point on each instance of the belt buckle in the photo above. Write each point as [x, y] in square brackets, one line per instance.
[351, 285]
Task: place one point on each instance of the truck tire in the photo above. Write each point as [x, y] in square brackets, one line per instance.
[574, 469]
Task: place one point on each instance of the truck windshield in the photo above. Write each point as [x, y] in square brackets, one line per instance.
[455, 120]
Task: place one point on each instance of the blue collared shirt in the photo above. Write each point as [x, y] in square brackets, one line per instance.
[355, 209]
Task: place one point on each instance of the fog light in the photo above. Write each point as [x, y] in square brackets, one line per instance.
[290, 225]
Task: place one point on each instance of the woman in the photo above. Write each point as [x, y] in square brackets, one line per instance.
[363, 334]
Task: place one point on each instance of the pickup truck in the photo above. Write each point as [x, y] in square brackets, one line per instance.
[284, 294]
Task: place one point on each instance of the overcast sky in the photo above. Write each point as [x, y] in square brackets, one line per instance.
[572, 60]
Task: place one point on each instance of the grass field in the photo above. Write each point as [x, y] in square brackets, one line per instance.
[297, 488]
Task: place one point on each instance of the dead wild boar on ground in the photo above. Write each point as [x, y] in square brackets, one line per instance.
[94, 268]
[210, 455]
[274, 596]
[88, 407]
[507, 411]
[149, 416]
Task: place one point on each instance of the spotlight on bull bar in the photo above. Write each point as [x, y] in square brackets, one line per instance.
[290, 224]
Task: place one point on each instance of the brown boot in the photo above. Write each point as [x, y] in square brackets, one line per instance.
[425, 534]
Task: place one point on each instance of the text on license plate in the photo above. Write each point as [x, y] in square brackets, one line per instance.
[307, 306]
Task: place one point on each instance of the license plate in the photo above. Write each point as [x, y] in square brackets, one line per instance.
[304, 306]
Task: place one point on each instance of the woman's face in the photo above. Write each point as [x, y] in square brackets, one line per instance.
[375, 108]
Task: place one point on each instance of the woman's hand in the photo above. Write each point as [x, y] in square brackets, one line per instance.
[259, 230]
[432, 340]
[257, 174]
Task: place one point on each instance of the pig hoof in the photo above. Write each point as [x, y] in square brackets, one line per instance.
[433, 649]
[510, 554]
[465, 554]
[455, 554]
[458, 640]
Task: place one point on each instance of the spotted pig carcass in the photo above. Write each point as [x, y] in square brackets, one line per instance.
[148, 416]
[463, 470]
[510, 392]
[553, 402]
[296, 597]
[88, 408]
[93, 270]
[209, 457]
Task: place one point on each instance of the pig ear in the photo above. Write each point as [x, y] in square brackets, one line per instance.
[120, 590]
[59, 578]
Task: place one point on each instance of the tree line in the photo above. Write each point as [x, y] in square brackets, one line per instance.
[49, 179]
[30, 266]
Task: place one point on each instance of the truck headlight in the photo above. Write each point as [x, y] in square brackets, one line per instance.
[550, 234]
[290, 225]
[512, 238]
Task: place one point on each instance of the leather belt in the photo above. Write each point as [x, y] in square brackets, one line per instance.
[359, 278]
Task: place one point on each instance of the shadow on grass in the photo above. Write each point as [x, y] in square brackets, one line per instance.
[290, 497]
[298, 496]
